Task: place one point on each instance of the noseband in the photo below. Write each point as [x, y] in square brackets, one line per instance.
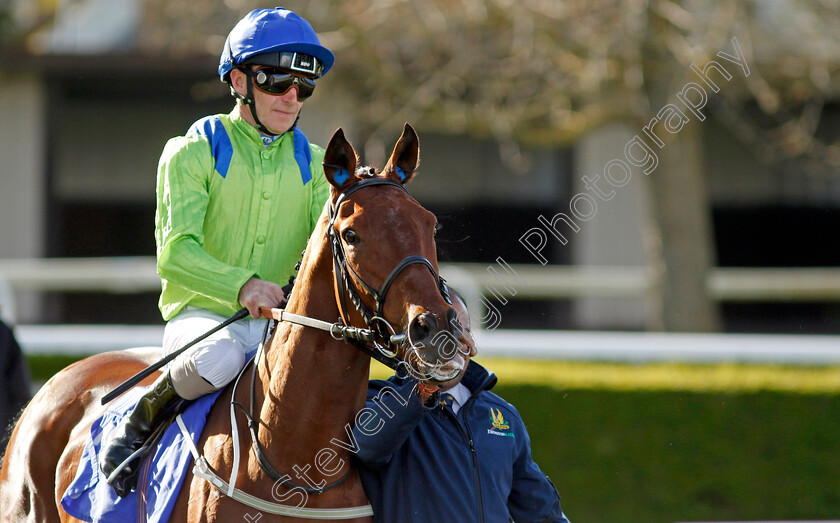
[385, 339]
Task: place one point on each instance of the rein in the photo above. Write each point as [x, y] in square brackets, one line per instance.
[379, 340]
[359, 338]
[204, 471]
[253, 427]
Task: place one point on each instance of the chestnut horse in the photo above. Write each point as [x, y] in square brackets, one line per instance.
[308, 384]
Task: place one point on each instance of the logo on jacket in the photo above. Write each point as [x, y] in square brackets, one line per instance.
[499, 421]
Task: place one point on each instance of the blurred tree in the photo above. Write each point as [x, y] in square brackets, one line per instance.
[542, 72]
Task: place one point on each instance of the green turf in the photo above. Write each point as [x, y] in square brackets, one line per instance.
[666, 456]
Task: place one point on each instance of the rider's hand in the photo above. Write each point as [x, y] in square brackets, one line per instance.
[259, 294]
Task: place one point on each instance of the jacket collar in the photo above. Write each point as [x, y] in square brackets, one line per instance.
[477, 378]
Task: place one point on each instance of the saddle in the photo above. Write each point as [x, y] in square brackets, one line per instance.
[166, 463]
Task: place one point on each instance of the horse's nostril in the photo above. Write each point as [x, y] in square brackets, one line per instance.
[422, 328]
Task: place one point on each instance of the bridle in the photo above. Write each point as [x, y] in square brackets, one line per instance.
[379, 340]
[385, 341]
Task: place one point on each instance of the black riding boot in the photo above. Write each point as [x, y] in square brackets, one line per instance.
[156, 405]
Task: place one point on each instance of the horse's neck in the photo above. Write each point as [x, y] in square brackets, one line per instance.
[314, 384]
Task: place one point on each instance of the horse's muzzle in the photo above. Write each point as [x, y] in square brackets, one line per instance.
[433, 351]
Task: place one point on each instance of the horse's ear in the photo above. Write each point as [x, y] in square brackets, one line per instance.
[405, 158]
[340, 162]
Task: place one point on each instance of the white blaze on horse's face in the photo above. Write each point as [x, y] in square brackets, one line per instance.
[387, 240]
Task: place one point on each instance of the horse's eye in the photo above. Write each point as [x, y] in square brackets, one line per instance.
[350, 236]
[437, 228]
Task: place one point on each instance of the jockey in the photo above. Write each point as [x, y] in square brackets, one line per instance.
[238, 197]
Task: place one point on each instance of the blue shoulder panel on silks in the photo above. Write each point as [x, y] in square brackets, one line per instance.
[90, 498]
[211, 127]
[303, 156]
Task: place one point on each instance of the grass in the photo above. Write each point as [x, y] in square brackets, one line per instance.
[665, 456]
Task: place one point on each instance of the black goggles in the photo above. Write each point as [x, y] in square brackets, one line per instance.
[278, 81]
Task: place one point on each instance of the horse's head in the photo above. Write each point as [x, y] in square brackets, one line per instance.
[385, 260]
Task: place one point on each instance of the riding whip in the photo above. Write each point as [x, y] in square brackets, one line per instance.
[143, 374]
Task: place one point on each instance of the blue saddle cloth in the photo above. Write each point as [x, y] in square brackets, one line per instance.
[90, 498]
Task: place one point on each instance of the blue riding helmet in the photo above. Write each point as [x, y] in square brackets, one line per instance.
[276, 35]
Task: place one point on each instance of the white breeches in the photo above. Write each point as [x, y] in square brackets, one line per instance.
[213, 362]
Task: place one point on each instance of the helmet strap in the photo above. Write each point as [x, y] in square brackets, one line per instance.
[251, 102]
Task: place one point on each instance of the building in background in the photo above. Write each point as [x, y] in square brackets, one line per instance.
[88, 100]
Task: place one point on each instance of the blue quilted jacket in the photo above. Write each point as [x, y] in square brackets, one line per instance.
[421, 463]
